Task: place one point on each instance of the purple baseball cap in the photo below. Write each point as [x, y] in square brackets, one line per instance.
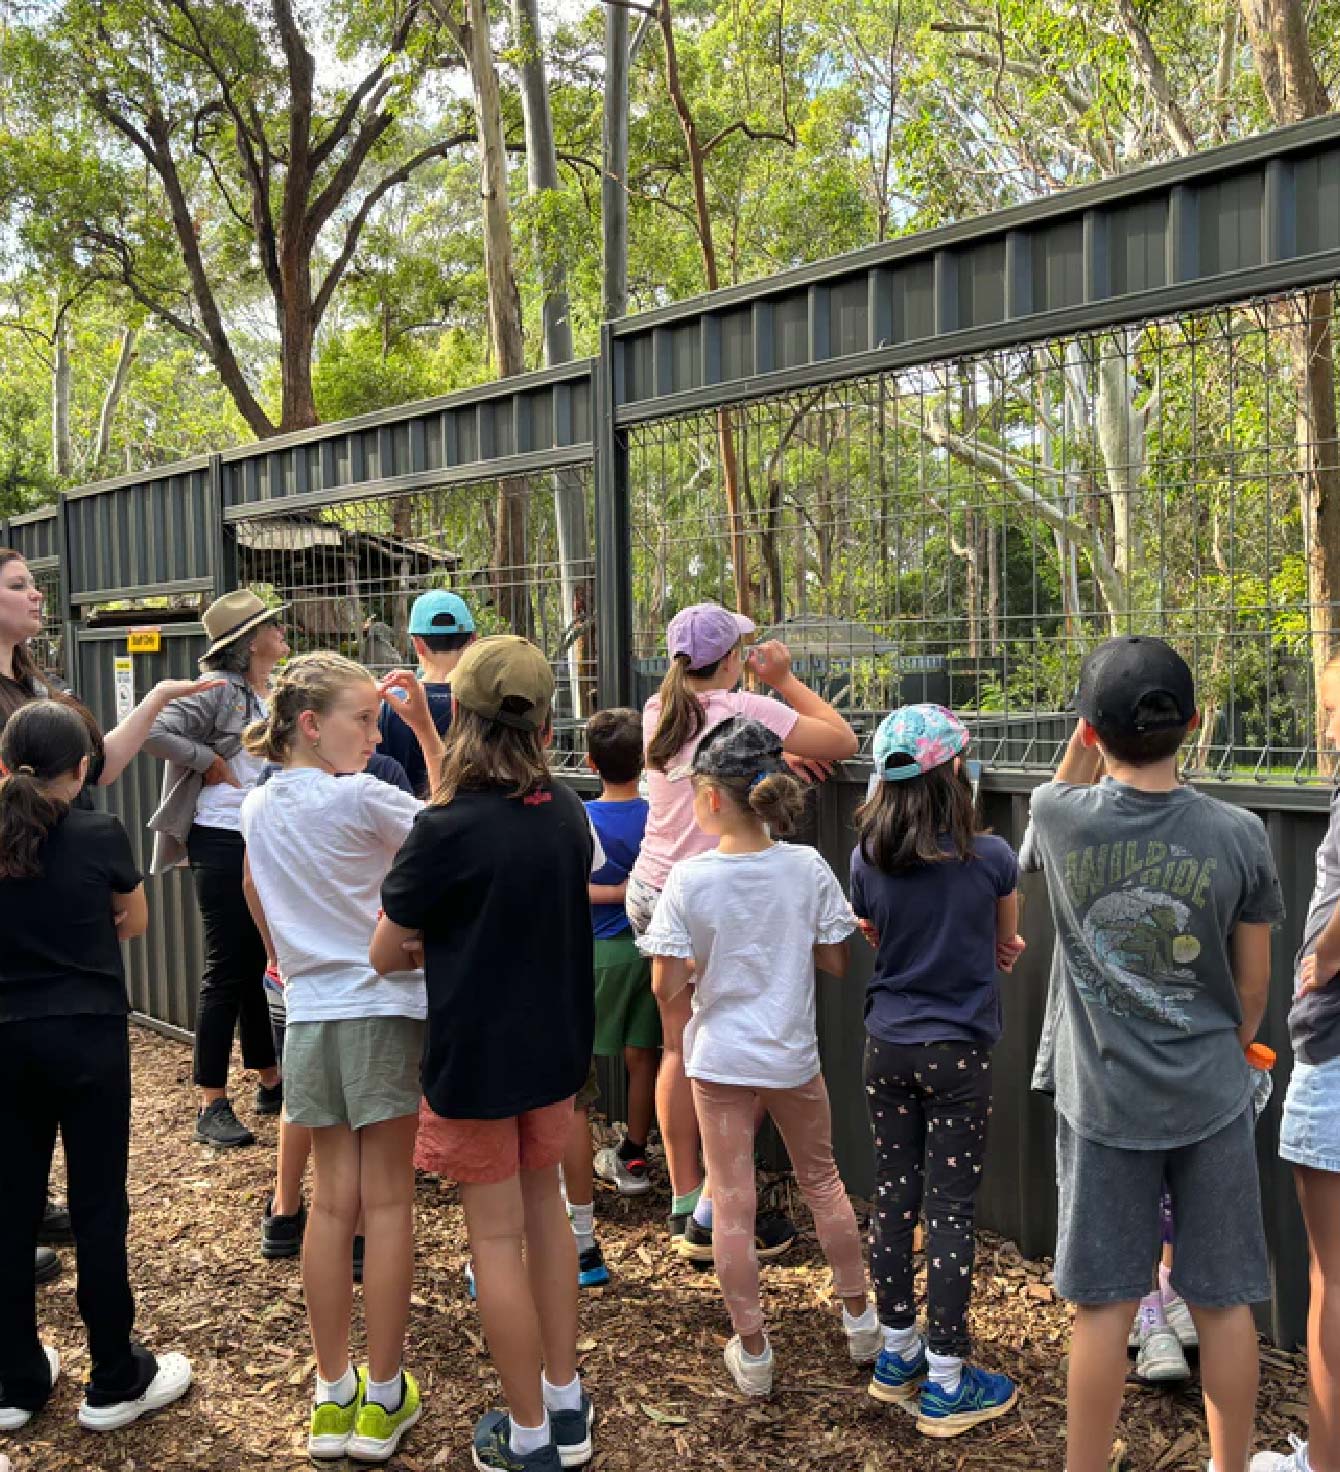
[706, 632]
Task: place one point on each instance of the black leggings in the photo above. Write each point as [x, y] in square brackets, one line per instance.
[929, 1104]
[71, 1073]
[232, 989]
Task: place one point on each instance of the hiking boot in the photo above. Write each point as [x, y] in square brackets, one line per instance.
[896, 1380]
[55, 1224]
[46, 1268]
[270, 1101]
[572, 1433]
[492, 1448]
[171, 1381]
[15, 1418]
[281, 1236]
[591, 1269]
[981, 1396]
[377, 1431]
[628, 1177]
[217, 1125]
[332, 1424]
[752, 1376]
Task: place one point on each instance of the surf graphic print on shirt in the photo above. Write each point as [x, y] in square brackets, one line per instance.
[1139, 901]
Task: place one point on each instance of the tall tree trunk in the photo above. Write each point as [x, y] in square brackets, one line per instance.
[1294, 90]
[62, 446]
[730, 474]
[574, 547]
[112, 398]
[614, 175]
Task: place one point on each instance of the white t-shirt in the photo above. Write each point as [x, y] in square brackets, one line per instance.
[750, 923]
[319, 847]
[220, 806]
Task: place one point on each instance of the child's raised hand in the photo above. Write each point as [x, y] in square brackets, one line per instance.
[808, 768]
[1009, 951]
[412, 708]
[771, 662]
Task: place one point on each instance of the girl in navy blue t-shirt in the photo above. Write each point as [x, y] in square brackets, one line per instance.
[937, 900]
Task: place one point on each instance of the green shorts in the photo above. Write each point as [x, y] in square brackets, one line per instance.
[357, 1071]
[626, 1012]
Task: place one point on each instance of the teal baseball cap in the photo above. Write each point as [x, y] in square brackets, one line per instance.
[440, 612]
[916, 739]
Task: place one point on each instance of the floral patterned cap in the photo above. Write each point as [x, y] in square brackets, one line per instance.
[915, 739]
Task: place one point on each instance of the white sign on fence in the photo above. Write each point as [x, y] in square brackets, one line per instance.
[125, 686]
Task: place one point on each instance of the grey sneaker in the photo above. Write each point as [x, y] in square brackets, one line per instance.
[217, 1125]
[628, 1177]
[753, 1377]
[1160, 1359]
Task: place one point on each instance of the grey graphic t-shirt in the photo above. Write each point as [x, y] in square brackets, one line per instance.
[1314, 1020]
[1146, 889]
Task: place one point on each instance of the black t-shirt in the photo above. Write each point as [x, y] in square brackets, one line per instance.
[59, 955]
[498, 884]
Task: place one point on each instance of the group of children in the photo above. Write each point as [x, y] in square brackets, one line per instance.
[450, 968]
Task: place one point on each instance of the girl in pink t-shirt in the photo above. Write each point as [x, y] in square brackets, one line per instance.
[707, 660]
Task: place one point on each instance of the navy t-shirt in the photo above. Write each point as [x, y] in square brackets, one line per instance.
[400, 742]
[384, 768]
[935, 971]
[619, 826]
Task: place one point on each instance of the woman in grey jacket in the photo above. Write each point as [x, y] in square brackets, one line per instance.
[208, 774]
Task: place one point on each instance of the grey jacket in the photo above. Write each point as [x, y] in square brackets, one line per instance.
[188, 735]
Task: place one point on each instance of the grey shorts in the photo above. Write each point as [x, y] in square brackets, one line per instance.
[358, 1071]
[1108, 1238]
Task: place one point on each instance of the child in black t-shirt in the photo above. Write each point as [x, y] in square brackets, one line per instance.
[69, 892]
[492, 881]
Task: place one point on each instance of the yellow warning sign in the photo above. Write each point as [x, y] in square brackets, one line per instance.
[144, 641]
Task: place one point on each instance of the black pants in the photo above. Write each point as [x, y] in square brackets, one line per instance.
[929, 1104]
[232, 990]
[71, 1073]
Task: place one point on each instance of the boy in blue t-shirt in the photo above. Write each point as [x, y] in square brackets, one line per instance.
[441, 628]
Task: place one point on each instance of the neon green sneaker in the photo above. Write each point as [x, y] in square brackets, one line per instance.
[333, 1425]
[377, 1431]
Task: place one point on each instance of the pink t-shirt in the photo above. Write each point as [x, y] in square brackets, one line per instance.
[671, 832]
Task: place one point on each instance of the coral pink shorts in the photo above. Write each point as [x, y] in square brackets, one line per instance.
[482, 1152]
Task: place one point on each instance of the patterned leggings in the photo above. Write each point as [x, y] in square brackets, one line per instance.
[726, 1115]
[929, 1105]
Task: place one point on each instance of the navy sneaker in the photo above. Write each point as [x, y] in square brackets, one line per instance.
[981, 1396]
[492, 1449]
[896, 1380]
[572, 1433]
[591, 1270]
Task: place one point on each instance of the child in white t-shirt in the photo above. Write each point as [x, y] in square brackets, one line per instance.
[319, 843]
[755, 917]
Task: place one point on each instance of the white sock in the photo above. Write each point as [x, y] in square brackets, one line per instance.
[387, 1393]
[902, 1342]
[757, 1359]
[340, 1391]
[562, 1397]
[866, 1321]
[702, 1213]
[946, 1370]
[583, 1220]
[527, 1439]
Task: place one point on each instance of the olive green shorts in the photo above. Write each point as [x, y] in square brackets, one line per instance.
[357, 1071]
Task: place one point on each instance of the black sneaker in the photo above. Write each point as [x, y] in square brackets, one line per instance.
[47, 1267]
[774, 1235]
[216, 1124]
[359, 1246]
[281, 1236]
[675, 1224]
[695, 1243]
[55, 1224]
[270, 1101]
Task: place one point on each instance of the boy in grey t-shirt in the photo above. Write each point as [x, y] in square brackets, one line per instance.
[1163, 900]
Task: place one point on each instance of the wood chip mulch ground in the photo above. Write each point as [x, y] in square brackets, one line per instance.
[651, 1342]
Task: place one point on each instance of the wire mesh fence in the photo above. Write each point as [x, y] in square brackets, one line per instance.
[351, 571]
[48, 648]
[963, 532]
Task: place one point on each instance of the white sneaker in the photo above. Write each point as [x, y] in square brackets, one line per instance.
[171, 1382]
[1178, 1315]
[1161, 1359]
[609, 1166]
[12, 1418]
[753, 1377]
[1296, 1461]
[864, 1345]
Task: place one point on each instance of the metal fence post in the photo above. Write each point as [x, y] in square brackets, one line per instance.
[222, 548]
[614, 547]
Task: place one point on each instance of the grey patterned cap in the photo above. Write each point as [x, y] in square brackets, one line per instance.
[739, 749]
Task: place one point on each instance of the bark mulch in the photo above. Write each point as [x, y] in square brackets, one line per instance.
[651, 1342]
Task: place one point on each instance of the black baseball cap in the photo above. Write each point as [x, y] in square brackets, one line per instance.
[1121, 673]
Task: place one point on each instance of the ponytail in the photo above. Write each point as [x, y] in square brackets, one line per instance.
[41, 743]
[682, 716]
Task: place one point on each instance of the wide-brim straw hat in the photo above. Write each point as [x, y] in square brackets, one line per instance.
[233, 616]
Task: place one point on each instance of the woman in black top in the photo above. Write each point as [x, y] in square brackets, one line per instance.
[69, 893]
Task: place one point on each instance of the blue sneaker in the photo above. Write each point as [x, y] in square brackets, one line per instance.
[896, 1380]
[492, 1449]
[981, 1396]
[591, 1269]
[469, 1276]
[572, 1433]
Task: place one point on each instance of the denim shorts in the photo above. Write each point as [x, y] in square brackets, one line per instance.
[1110, 1219]
[1310, 1124]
